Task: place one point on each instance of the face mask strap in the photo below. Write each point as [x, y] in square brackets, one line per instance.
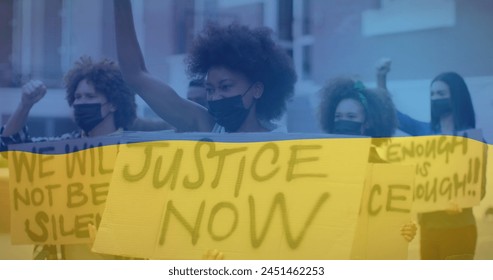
[109, 112]
[248, 89]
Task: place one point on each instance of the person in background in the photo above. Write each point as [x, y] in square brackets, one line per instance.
[449, 234]
[102, 105]
[347, 107]
[101, 101]
[248, 78]
[196, 92]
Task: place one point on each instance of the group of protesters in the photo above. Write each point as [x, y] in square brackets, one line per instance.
[241, 82]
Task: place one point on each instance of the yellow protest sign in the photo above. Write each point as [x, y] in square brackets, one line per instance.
[448, 168]
[385, 207]
[4, 201]
[289, 199]
[57, 188]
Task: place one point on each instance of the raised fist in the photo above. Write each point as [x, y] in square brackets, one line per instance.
[383, 66]
[32, 92]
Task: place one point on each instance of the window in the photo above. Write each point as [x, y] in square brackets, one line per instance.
[303, 39]
[36, 41]
[184, 25]
[6, 19]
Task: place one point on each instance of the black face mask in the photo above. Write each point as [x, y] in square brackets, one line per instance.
[229, 112]
[441, 107]
[88, 116]
[347, 127]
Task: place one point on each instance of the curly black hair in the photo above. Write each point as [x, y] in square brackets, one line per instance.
[251, 52]
[107, 79]
[380, 112]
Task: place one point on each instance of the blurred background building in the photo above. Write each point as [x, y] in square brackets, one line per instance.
[326, 38]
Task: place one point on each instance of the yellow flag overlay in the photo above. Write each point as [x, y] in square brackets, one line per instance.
[251, 196]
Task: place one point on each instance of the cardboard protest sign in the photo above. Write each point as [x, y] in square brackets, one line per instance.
[57, 188]
[385, 207]
[4, 201]
[285, 199]
[448, 168]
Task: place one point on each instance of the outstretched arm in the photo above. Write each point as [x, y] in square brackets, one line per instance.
[32, 92]
[179, 112]
[405, 122]
[149, 125]
[383, 68]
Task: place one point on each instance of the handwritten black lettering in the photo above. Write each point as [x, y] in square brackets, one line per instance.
[147, 163]
[172, 171]
[41, 219]
[43, 161]
[193, 230]
[391, 198]
[275, 156]
[75, 195]
[75, 159]
[280, 202]
[294, 160]
[214, 211]
[375, 189]
[21, 161]
[99, 192]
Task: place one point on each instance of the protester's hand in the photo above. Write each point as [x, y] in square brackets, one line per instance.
[214, 254]
[453, 208]
[32, 92]
[408, 231]
[383, 66]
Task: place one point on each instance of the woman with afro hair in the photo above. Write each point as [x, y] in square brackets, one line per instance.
[102, 104]
[347, 107]
[248, 78]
